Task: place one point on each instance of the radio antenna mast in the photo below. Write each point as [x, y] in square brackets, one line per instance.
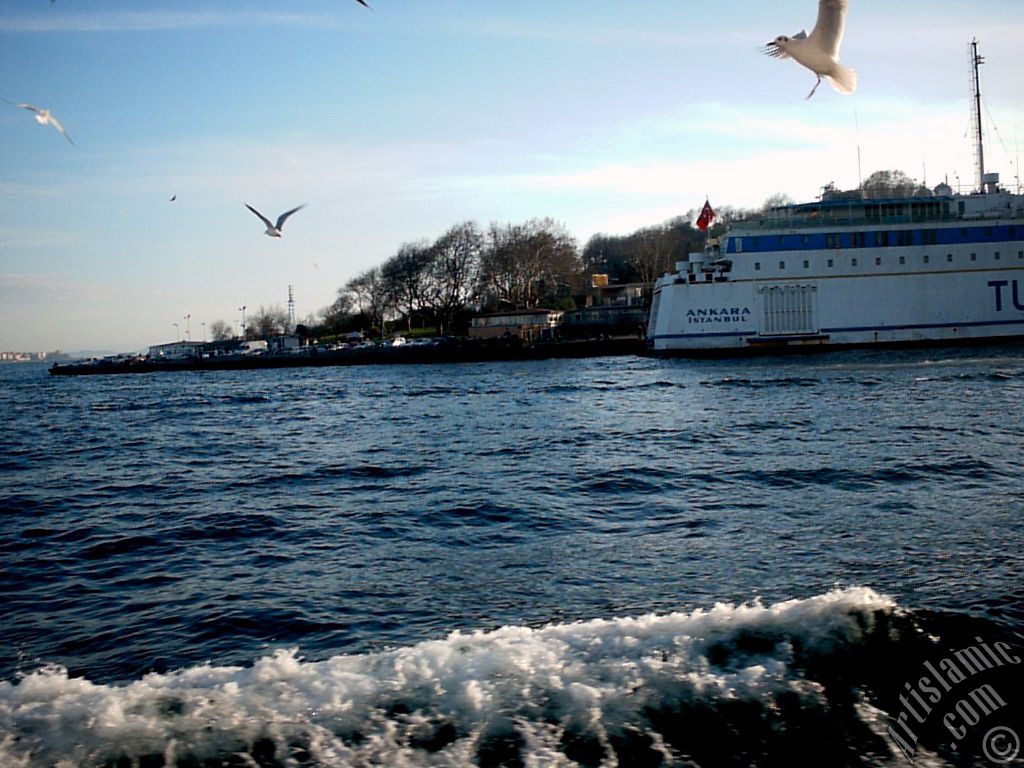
[291, 311]
[979, 149]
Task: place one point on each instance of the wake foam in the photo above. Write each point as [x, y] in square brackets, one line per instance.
[724, 686]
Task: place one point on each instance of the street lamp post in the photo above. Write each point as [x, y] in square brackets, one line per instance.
[204, 332]
[242, 310]
[188, 327]
[177, 332]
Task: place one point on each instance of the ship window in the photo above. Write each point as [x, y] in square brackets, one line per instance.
[782, 265]
[832, 240]
[807, 264]
[757, 266]
[1020, 254]
[949, 257]
[881, 239]
[997, 255]
[988, 231]
[925, 258]
[853, 262]
[903, 259]
[974, 257]
[857, 240]
[878, 261]
[739, 244]
[830, 262]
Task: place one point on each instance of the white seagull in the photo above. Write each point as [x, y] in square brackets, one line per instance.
[274, 230]
[43, 116]
[819, 51]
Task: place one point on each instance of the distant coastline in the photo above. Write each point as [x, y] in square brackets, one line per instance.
[34, 357]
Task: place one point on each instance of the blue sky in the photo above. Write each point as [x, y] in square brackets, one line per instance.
[396, 123]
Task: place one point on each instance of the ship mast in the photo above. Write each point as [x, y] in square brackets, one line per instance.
[979, 150]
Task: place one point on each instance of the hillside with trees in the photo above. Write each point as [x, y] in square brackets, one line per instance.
[439, 285]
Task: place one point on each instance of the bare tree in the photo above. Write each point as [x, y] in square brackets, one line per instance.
[373, 297]
[221, 330]
[777, 200]
[892, 184]
[452, 275]
[525, 263]
[335, 317]
[610, 255]
[267, 323]
[407, 274]
[655, 247]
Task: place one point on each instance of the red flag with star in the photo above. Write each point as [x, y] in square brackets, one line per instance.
[706, 217]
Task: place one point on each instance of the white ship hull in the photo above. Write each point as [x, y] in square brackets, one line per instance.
[891, 309]
[952, 273]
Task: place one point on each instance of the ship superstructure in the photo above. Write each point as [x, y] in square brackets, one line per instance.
[850, 270]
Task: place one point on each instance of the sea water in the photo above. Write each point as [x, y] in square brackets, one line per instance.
[613, 561]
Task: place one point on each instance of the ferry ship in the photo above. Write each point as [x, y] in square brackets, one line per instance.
[941, 268]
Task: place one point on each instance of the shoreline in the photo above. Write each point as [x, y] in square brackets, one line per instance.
[443, 353]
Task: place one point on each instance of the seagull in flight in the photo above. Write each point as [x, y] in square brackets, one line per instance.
[274, 230]
[363, 3]
[819, 51]
[43, 116]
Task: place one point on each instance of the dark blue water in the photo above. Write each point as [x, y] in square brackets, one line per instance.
[197, 566]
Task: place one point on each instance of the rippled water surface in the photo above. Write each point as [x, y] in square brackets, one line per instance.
[156, 523]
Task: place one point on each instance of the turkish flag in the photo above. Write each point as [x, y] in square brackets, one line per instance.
[706, 217]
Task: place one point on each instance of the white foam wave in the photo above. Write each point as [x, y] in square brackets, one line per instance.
[443, 702]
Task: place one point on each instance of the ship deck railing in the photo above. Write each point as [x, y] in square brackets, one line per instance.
[817, 222]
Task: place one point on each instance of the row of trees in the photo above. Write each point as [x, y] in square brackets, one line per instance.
[467, 269]
[265, 323]
[470, 269]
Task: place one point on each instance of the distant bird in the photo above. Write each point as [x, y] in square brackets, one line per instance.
[274, 230]
[362, 3]
[173, 198]
[819, 51]
[43, 116]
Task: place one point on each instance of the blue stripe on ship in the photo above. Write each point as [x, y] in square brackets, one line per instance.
[880, 238]
[913, 327]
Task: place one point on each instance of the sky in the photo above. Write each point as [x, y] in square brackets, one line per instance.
[396, 123]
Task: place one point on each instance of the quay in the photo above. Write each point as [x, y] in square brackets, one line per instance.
[442, 352]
